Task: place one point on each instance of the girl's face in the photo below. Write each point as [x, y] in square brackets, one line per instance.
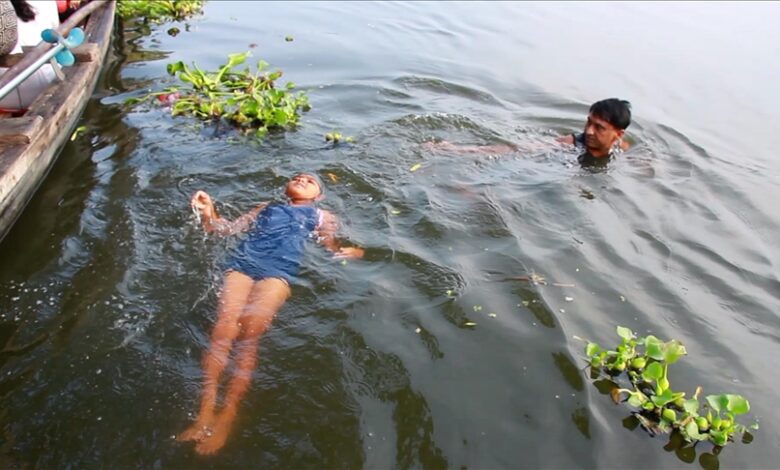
[303, 187]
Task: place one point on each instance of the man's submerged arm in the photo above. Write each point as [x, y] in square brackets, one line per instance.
[566, 139]
[490, 149]
[497, 149]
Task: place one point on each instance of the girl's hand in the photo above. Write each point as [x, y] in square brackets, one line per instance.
[349, 252]
[202, 202]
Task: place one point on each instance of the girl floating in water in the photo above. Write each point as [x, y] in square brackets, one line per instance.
[257, 284]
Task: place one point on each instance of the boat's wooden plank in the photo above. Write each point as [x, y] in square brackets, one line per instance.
[49, 103]
[19, 130]
[88, 52]
[9, 60]
[101, 24]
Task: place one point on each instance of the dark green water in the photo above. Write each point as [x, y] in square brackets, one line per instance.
[108, 287]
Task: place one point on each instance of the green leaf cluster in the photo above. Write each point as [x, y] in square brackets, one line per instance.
[646, 362]
[158, 10]
[249, 100]
[336, 137]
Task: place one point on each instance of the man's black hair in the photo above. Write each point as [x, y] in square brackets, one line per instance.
[615, 111]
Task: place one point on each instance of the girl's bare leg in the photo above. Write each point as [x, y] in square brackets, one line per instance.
[233, 299]
[266, 298]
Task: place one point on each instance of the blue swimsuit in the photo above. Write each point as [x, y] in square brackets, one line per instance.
[275, 244]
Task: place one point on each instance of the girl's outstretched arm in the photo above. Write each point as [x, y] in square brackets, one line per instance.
[211, 220]
[327, 233]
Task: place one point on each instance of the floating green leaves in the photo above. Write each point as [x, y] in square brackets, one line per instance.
[249, 100]
[79, 130]
[661, 408]
[336, 137]
[158, 10]
[625, 333]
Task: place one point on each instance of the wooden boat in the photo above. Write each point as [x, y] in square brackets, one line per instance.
[30, 144]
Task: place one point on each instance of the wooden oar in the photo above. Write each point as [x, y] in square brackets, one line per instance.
[32, 56]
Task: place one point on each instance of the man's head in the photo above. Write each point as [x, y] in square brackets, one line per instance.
[607, 122]
[304, 187]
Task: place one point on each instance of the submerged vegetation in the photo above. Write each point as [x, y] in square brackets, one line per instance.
[158, 10]
[248, 100]
[646, 362]
[336, 137]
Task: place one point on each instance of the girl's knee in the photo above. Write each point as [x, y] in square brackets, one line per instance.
[225, 330]
[254, 324]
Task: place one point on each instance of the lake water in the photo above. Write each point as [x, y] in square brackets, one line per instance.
[108, 287]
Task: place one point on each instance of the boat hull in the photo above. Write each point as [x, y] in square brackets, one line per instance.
[29, 145]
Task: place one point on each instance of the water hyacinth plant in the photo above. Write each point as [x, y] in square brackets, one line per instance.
[645, 361]
[336, 137]
[158, 10]
[249, 100]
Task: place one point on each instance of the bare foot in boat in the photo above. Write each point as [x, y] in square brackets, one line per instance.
[216, 439]
[197, 432]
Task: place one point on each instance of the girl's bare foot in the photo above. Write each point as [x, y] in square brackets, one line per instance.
[197, 432]
[217, 437]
